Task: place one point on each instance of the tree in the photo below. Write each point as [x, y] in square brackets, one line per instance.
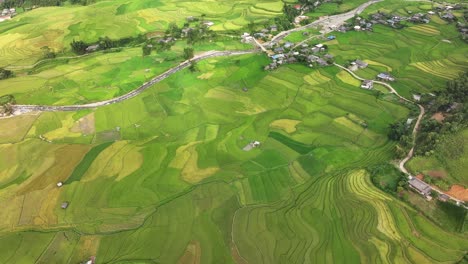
[48, 53]
[193, 66]
[188, 53]
[290, 12]
[147, 49]
[79, 47]
[5, 74]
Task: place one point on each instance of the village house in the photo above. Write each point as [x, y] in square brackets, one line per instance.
[322, 62]
[298, 19]
[420, 186]
[357, 64]
[367, 84]
[448, 16]
[64, 205]
[328, 56]
[417, 97]
[385, 77]
[288, 45]
[443, 197]
[185, 31]
[409, 121]
[208, 23]
[246, 38]
[92, 48]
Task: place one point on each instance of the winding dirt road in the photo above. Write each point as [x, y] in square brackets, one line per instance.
[422, 111]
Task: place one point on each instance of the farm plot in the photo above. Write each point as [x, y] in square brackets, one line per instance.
[164, 177]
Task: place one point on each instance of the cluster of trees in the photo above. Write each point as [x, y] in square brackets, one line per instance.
[82, 2]
[196, 33]
[48, 53]
[22, 3]
[5, 74]
[290, 12]
[6, 103]
[105, 43]
[388, 178]
[188, 53]
[451, 104]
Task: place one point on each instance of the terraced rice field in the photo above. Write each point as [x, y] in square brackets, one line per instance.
[163, 177]
[22, 38]
[417, 70]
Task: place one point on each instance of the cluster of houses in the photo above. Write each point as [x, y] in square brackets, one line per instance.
[382, 18]
[425, 189]
[288, 52]
[445, 12]
[369, 84]
[463, 29]
[263, 34]
[7, 13]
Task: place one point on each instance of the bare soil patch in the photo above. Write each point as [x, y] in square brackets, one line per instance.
[458, 192]
[437, 174]
[439, 117]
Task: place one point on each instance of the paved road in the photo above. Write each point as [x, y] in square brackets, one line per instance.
[422, 111]
[326, 22]
[335, 20]
[19, 109]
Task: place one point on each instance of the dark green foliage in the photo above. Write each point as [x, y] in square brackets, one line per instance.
[5, 74]
[290, 12]
[193, 67]
[456, 215]
[48, 53]
[451, 102]
[79, 47]
[283, 23]
[188, 53]
[7, 99]
[105, 43]
[87, 160]
[147, 49]
[388, 178]
[174, 30]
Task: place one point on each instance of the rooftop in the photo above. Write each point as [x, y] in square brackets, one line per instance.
[420, 186]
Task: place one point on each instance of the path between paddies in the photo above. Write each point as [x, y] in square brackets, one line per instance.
[422, 111]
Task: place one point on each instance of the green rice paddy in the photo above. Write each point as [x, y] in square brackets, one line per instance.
[163, 177]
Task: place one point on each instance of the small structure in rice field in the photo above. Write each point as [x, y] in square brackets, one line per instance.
[59, 184]
[64, 205]
[385, 77]
[367, 84]
[251, 145]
